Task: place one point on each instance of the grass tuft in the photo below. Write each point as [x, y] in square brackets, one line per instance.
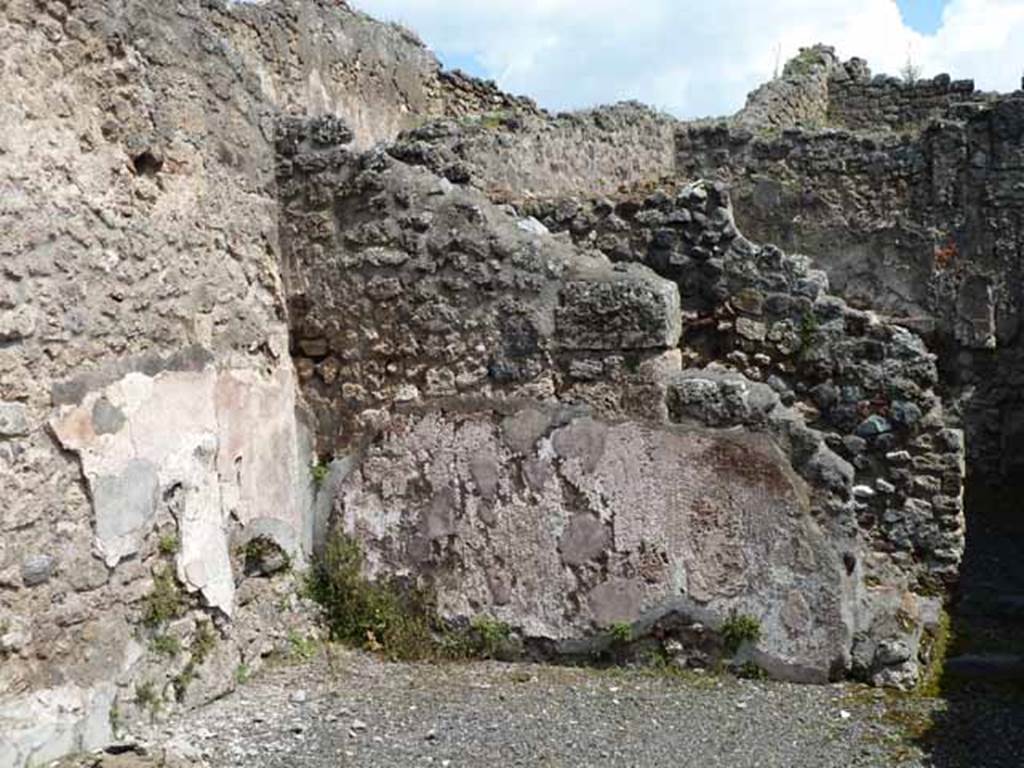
[738, 629]
[621, 632]
[165, 602]
[168, 645]
[387, 617]
[169, 544]
[146, 697]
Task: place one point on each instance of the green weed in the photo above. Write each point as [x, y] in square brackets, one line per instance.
[169, 544]
[168, 645]
[621, 632]
[384, 617]
[739, 629]
[165, 602]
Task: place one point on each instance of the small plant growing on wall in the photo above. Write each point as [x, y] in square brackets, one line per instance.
[621, 632]
[202, 646]
[910, 72]
[169, 544]
[808, 328]
[147, 697]
[489, 637]
[738, 629]
[376, 616]
[165, 601]
[167, 645]
[320, 472]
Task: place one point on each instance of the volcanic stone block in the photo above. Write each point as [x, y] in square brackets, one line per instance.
[632, 309]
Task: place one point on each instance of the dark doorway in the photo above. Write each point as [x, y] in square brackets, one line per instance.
[980, 721]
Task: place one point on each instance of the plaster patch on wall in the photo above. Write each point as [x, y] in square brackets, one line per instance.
[54, 722]
[224, 440]
[633, 517]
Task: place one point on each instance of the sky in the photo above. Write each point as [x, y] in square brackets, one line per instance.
[696, 58]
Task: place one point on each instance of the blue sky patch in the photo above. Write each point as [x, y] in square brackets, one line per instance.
[466, 62]
[924, 16]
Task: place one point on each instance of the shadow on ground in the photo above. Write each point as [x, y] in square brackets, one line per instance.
[979, 722]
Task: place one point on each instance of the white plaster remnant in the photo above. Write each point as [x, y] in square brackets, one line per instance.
[225, 441]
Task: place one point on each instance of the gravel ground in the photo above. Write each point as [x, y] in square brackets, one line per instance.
[350, 709]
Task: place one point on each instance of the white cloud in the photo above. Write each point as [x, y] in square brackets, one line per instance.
[983, 39]
[695, 57]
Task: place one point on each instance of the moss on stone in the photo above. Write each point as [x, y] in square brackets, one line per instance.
[319, 472]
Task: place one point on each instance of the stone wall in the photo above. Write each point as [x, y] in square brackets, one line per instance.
[860, 102]
[465, 366]
[799, 96]
[511, 155]
[213, 274]
[403, 285]
[149, 425]
[923, 226]
[323, 58]
[143, 367]
[769, 317]
[815, 90]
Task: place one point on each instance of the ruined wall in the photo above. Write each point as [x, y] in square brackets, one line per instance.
[144, 371]
[924, 226]
[511, 155]
[403, 285]
[203, 286]
[860, 102]
[798, 96]
[148, 411]
[836, 195]
[324, 58]
[815, 90]
[770, 317]
[466, 366]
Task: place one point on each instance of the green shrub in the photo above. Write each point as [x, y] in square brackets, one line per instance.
[169, 544]
[168, 645]
[384, 617]
[621, 632]
[489, 638]
[739, 629]
[748, 670]
[165, 601]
